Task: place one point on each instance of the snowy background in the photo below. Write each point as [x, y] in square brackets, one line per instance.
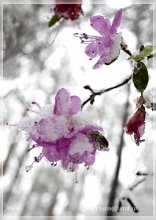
[34, 70]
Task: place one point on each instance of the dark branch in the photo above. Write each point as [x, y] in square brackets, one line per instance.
[100, 92]
[91, 98]
[135, 209]
[151, 56]
[139, 173]
[119, 206]
[153, 106]
[124, 47]
[136, 184]
[115, 182]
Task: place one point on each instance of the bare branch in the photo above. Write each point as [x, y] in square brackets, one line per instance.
[136, 184]
[91, 99]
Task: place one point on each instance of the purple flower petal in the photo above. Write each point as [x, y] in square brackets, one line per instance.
[88, 128]
[92, 49]
[66, 104]
[107, 45]
[64, 142]
[75, 105]
[116, 22]
[40, 142]
[101, 61]
[62, 102]
[41, 125]
[51, 154]
[57, 151]
[100, 24]
[61, 135]
[89, 158]
[85, 130]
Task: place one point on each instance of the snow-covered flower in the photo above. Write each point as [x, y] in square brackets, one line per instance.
[70, 11]
[136, 125]
[107, 44]
[62, 132]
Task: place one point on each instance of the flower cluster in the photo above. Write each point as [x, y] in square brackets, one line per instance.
[107, 45]
[136, 124]
[68, 11]
[63, 132]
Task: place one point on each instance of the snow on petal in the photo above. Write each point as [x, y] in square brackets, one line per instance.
[80, 145]
[63, 134]
[85, 129]
[107, 46]
[115, 48]
[103, 59]
[62, 102]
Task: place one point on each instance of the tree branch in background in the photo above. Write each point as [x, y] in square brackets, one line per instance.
[153, 106]
[130, 202]
[139, 173]
[115, 181]
[136, 184]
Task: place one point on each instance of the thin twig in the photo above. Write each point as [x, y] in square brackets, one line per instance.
[91, 98]
[139, 173]
[100, 92]
[131, 203]
[136, 184]
[135, 209]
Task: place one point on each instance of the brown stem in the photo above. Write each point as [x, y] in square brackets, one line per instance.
[91, 98]
[125, 49]
[100, 92]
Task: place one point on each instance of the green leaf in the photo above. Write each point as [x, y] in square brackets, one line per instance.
[144, 52]
[140, 77]
[53, 20]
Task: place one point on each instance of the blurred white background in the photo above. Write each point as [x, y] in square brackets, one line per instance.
[34, 71]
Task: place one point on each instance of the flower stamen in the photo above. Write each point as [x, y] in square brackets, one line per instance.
[30, 110]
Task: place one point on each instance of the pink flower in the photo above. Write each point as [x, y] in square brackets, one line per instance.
[62, 132]
[107, 45]
[136, 125]
[68, 11]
